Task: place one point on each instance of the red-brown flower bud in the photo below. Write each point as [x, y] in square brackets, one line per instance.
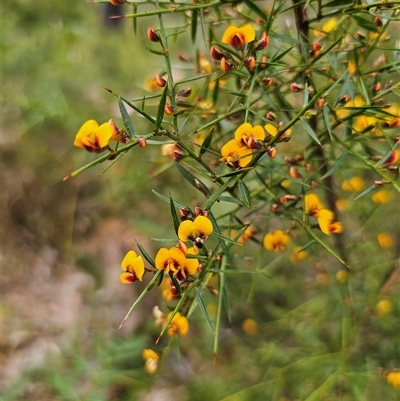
[320, 103]
[216, 54]
[250, 63]
[274, 208]
[184, 212]
[152, 35]
[262, 43]
[263, 63]
[169, 109]
[272, 153]
[272, 116]
[142, 142]
[267, 81]
[344, 99]
[294, 173]
[184, 92]
[392, 158]
[316, 46]
[296, 87]
[160, 81]
[117, 2]
[378, 21]
[226, 66]
[377, 87]
[298, 158]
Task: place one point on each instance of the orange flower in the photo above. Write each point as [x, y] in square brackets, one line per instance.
[393, 378]
[235, 155]
[94, 137]
[196, 231]
[249, 136]
[326, 223]
[312, 204]
[178, 325]
[133, 267]
[238, 37]
[355, 184]
[151, 359]
[276, 241]
[172, 259]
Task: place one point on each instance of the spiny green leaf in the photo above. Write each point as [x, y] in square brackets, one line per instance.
[166, 199]
[336, 3]
[244, 193]
[310, 131]
[231, 199]
[335, 166]
[146, 255]
[364, 23]
[174, 215]
[256, 10]
[207, 141]
[225, 301]
[193, 26]
[203, 308]
[369, 190]
[325, 112]
[126, 119]
[161, 106]
[194, 181]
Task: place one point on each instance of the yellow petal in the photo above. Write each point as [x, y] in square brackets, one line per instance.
[133, 264]
[88, 127]
[325, 218]
[185, 231]
[242, 130]
[272, 130]
[104, 133]
[229, 33]
[312, 204]
[248, 32]
[203, 226]
[162, 257]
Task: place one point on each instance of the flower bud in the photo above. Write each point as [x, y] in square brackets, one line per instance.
[378, 21]
[250, 63]
[377, 87]
[392, 158]
[274, 208]
[272, 116]
[160, 81]
[344, 99]
[184, 92]
[169, 109]
[142, 142]
[226, 66]
[316, 46]
[298, 158]
[296, 87]
[294, 173]
[272, 153]
[262, 43]
[184, 212]
[216, 54]
[153, 36]
[263, 63]
[267, 81]
[320, 103]
[117, 3]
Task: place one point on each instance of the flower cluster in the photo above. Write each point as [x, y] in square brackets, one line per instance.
[276, 241]
[238, 152]
[314, 207]
[243, 40]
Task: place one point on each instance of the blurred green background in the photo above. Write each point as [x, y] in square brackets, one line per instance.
[63, 243]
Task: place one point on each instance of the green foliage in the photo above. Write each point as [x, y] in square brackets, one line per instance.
[290, 300]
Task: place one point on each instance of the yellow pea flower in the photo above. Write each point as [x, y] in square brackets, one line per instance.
[249, 136]
[312, 204]
[151, 359]
[385, 240]
[170, 260]
[393, 378]
[235, 155]
[238, 37]
[355, 184]
[178, 325]
[94, 137]
[196, 231]
[133, 267]
[276, 241]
